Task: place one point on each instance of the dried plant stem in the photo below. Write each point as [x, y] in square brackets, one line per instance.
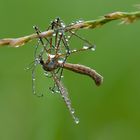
[17, 42]
[126, 17]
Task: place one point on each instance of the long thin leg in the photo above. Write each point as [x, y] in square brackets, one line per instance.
[83, 39]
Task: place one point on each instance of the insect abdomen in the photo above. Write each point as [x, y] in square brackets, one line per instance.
[86, 71]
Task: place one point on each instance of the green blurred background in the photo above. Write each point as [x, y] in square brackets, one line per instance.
[109, 112]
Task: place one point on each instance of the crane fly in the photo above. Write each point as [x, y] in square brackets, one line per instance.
[53, 59]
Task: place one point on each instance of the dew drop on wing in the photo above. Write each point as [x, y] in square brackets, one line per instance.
[72, 111]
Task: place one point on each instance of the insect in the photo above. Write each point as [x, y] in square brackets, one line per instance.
[53, 56]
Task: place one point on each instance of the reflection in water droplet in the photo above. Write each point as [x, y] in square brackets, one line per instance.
[52, 91]
[72, 110]
[61, 61]
[54, 34]
[80, 21]
[57, 91]
[93, 49]
[85, 47]
[74, 50]
[46, 74]
[26, 68]
[76, 120]
[60, 33]
[51, 55]
[72, 23]
[63, 25]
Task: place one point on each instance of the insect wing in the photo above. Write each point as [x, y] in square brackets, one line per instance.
[64, 94]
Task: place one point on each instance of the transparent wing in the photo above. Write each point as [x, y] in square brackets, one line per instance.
[64, 94]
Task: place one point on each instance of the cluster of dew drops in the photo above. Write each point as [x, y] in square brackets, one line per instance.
[61, 60]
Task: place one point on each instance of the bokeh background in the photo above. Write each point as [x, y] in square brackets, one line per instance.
[109, 112]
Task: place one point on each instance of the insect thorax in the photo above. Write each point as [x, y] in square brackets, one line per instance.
[50, 65]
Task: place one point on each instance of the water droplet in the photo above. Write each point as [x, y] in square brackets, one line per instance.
[80, 21]
[93, 49]
[72, 111]
[60, 33]
[69, 36]
[46, 74]
[67, 51]
[67, 40]
[52, 91]
[63, 25]
[33, 79]
[34, 27]
[85, 47]
[76, 120]
[26, 68]
[74, 50]
[62, 76]
[61, 60]
[51, 55]
[62, 96]
[54, 34]
[77, 21]
[57, 91]
[72, 23]
[16, 46]
[56, 20]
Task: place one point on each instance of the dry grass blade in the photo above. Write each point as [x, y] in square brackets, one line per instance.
[126, 17]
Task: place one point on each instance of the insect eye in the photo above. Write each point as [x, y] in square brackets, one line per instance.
[41, 62]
